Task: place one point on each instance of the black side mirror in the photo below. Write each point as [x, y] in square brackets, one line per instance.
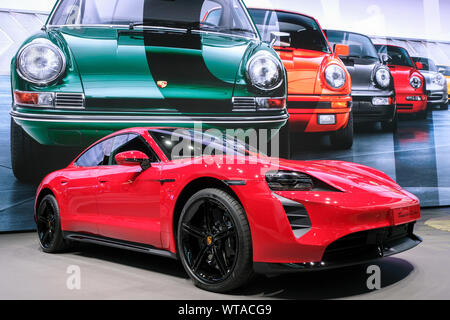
[283, 39]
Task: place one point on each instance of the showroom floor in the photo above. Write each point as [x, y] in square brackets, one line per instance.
[28, 273]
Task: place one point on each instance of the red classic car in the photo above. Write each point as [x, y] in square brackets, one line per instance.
[221, 209]
[409, 82]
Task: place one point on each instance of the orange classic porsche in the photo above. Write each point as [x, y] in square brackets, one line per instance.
[319, 90]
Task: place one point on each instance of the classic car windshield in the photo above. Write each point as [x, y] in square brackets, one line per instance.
[186, 143]
[397, 56]
[428, 64]
[304, 31]
[185, 14]
[359, 46]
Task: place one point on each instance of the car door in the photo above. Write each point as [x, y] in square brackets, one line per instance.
[128, 198]
[80, 186]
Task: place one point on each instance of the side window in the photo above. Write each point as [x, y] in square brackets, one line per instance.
[96, 156]
[130, 142]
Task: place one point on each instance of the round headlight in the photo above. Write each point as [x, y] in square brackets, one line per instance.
[335, 76]
[439, 80]
[383, 78]
[415, 82]
[264, 71]
[40, 62]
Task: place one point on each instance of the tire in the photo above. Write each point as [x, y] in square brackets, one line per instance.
[213, 263]
[391, 125]
[285, 141]
[444, 107]
[422, 115]
[48, 222]
[27, 156]
[31, 161]
[343, 138]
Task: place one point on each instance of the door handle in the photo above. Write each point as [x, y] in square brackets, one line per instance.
[103, 181]
[166, 180]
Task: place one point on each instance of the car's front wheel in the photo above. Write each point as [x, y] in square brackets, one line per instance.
[214, 241]
[391, 125]
[444, 107]
[343, 138]
[27, 155]
[48, 222]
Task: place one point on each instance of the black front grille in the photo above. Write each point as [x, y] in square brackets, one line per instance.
[365, 244]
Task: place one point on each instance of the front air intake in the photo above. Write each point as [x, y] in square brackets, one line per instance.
[297, 215]
[69, 101]
[244, 104]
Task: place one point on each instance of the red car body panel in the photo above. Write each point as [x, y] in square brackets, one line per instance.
[126, 203]
[403, 89]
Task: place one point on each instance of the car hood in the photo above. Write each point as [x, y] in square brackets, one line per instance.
[303, 69]
[346, 176]
[122, 68]
[401, 75]
[361, 72]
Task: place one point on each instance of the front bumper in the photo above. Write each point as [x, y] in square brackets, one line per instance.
[280, 234]
[305, 111]
[437, 97]
[371, 245]
[83, 128]
[405, 104]
[365, 111]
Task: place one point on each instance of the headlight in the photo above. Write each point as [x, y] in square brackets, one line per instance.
[439, 80]
[383, 78]
[289, 181]
[415, 82]
[264, 71]
[335, 76]
[40, 62]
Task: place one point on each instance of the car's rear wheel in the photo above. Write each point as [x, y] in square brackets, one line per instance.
[343, 138]
[48, 222]
[214, 241]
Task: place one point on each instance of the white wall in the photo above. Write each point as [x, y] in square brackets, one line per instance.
[33, 5]
[425, 19]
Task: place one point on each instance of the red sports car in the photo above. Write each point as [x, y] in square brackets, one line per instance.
[221, 209]
[409, 82]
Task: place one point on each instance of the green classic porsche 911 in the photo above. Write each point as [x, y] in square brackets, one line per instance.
[99, 66]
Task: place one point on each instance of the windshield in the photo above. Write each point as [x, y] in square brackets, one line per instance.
[428, 64]
[187, 143]
[184, 14]
[305, 32]
[397, 56]
[359, 46]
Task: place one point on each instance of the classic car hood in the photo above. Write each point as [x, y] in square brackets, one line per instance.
[361, 72]
[401, 75]
[122, 68]
[346, 176]
[302, 68]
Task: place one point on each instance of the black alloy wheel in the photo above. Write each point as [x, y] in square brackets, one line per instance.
[49, 226]
[214, 241]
